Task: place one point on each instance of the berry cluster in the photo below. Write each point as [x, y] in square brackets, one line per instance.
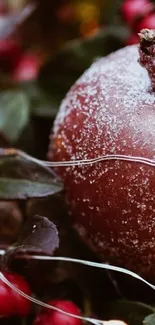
[138, 14]
[14, 62]
[13, 304]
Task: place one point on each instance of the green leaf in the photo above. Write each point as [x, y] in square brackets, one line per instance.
[21, 179]
[57, 76]
[111, 11]
[40, 104]
[14, 113]
[131, 312]
[149, 320]
[11, 189]
[39, 235]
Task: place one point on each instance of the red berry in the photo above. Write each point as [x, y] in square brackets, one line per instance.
[11, 303]
[52, 317]
[146, 22]
[9, 54]
[26, 68]
[6, 306]
[133, 39]
[132, 9]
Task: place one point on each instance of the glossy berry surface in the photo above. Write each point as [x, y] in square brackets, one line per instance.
[11, 303]
[132, 9]
[52, 317]
[110, 110]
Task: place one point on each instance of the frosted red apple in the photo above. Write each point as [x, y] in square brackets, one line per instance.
[111, 110]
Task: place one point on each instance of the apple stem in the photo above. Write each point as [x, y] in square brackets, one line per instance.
[147, 53]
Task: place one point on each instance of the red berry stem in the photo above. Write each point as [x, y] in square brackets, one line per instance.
[147, 53]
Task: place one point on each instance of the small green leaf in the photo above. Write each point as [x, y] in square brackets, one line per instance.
[21, 179]
[14, 113]
[131, 312]
[11, 189]
[40, 104]
[58, 75]
[39, 235]
[111, 11]
[149, 320]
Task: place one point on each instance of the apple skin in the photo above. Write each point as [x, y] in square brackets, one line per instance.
[110, 110]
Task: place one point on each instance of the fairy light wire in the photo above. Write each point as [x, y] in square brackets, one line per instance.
[79, 261]
[72, 163]
[78, 162]
[42, 304]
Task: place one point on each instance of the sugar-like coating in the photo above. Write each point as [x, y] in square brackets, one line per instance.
[111, 110]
